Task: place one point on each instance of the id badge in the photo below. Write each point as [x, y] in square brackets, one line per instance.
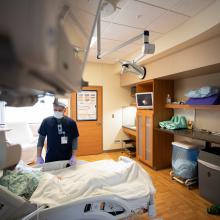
[60, 129]
[64, 140]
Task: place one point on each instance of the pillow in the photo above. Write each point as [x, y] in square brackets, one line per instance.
[21, 166]
[203, 92]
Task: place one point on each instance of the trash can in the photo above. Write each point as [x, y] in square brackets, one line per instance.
[184, 160]
[209, 174]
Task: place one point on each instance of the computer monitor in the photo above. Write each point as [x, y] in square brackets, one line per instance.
[144, 100]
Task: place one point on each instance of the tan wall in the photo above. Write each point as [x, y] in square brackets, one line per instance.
[204, 119]
[114, 97]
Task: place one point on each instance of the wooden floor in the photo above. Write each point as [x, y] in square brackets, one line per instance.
[173, 200]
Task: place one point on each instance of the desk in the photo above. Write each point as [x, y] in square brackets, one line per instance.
[130, 131]
[195, 134]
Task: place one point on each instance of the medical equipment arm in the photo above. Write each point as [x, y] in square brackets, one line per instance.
[44, 46]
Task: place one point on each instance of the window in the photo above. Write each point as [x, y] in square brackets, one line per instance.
[32, 114]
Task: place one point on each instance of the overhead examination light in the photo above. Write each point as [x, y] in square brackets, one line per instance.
[108, 7]
[132, 67]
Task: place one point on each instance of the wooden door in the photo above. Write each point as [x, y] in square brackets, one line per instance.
[90, 131]
[144, 141]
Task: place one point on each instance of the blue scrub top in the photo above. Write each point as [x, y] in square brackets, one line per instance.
[51, 127]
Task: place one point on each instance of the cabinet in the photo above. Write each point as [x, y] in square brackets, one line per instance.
[145, 136]
[153, 147]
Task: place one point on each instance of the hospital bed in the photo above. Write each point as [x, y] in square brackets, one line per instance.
[102, 199]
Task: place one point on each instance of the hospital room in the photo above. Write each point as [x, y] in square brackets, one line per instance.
[109, 109]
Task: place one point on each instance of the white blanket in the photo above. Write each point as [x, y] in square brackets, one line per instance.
[124, 178]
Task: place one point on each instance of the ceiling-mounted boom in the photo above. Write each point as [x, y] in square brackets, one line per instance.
[146, 49]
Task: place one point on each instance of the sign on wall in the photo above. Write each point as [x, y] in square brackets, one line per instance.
[86, 103]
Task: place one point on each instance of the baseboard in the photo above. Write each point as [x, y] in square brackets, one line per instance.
[113, 150]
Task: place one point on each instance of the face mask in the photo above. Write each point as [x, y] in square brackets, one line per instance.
[58, 115]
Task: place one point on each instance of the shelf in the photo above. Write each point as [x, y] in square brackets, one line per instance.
[195, 134]
[183, 106]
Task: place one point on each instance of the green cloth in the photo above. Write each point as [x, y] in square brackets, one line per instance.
[21, 183]
[214, 210]
[176, 122]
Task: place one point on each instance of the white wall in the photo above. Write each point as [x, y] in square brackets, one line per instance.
[114, 97]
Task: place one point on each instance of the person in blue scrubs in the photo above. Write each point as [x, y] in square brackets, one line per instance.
[62, 137]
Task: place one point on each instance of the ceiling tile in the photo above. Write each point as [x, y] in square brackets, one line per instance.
[107, 59]
[191, 7]
[107, 44]
[167, 22]
[123, 52]
[132, 17]
[120, 32]
[164, 3]
[104, 27]
[137, 14]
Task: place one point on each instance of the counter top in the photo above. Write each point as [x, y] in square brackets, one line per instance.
[129, 130]
[195, 134]
[129, 127]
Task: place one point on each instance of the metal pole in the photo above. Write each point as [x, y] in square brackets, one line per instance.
[99, 56]
[93, 28]
[99, 35]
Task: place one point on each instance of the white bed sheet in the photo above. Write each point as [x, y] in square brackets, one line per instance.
[124, 178]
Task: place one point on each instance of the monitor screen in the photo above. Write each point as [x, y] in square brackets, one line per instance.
[144, 100]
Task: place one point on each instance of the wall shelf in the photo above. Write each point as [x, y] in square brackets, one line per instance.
[184, 106]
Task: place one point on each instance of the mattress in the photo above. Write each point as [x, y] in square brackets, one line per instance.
[123, 178]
